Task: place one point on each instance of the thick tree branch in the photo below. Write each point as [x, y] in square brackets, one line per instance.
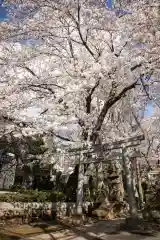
[113, 98]
[119, 53]
[15, 121]
[89, 97]
[41, 86]
[30, 71]
[62, 137]
[136, 66]
[144, 85]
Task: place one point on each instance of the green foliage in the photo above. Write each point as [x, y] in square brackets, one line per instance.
[87, 196]
[100, 195]
[32, 196]
[16, 188]
[57, 197]
[153, 198]
[96, 196]
[32, 145]
[36, 145]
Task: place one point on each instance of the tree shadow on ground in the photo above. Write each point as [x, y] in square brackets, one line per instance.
[51, 232]
[44, 228]
[110, 229]
[8, 237]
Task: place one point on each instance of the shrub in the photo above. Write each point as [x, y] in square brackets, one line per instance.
[17, 188]
[57, 197]
[32, 196]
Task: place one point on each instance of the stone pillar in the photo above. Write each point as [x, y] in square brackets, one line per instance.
[80, 186]
[129, 183]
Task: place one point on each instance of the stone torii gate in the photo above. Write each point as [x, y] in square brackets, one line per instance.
[117, 150]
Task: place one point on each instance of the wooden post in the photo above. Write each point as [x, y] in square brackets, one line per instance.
[80, 185]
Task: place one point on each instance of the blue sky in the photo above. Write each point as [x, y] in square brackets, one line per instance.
[15, 13]
[3, 13]
[109, 3]
[149, 110]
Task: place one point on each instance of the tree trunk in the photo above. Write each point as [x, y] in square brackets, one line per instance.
[129, 184]
[80, 186]
[27, 177]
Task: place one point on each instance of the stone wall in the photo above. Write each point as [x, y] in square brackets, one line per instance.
[59, 208]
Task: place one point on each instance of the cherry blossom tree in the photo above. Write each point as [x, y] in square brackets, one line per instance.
[86, 47]
[87, 66]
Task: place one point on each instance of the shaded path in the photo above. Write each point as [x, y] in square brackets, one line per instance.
[102, 230]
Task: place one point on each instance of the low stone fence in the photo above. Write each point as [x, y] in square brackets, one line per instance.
[36, 209]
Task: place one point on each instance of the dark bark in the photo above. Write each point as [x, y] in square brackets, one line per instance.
[136, 66]
[83, 39]
[89, 97]
[8, 120]
[113, 98]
